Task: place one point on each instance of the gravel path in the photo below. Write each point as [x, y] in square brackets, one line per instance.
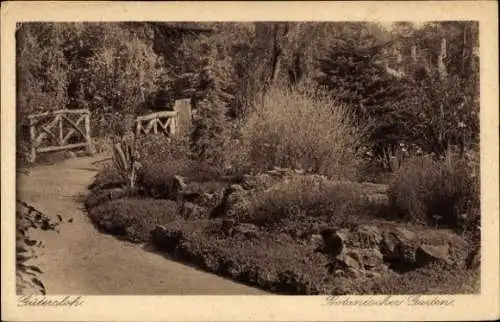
[81, 260]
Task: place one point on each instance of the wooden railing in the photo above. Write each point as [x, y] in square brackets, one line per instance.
[165, 122]
[52, 131]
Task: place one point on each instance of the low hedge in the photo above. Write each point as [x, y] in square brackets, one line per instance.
[275, 263]
[133, 218]
[109, 177]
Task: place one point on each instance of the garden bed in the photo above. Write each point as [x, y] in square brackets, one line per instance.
[287, 232]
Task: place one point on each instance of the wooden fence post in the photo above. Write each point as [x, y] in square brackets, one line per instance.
[88, 137]
[61, 135]
[32, 156]
[173, 124]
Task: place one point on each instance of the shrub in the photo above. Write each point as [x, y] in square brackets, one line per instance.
[351, 73]
[296, 130]
[441, 192]
[158, 148]
[307, 201]
[122, 70]
[157, 173]
[288, 268]
[108, 177]
[209, 135]
[133, 218]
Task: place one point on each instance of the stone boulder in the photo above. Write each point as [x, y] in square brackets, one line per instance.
[334, 241]
[443, 246]
[166, 239]
[369, 250]
[179, 184]
[430, 253]
[171, 189]
[398, 245]
[359, 263]
[235, 203]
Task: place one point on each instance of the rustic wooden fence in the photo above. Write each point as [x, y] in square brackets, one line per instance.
[160, 122]
[59, 130]
[167, 122]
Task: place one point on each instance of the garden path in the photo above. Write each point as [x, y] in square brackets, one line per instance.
[81, 260]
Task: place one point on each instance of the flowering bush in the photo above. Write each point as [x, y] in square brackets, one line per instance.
[441, 192]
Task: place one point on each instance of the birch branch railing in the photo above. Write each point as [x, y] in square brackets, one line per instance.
[165, 122]
[52, 131]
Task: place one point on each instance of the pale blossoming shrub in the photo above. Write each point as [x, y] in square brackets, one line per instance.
[301, 130]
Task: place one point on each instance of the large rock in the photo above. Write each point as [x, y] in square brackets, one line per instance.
[368, 250]
[179, 184]
[368, 258]
[363, 236]
[398, 244]
[442, 245]
[430, 253]
[366, 236]
[334, 241]
[234, 204]
[166, 239]
[170, 189]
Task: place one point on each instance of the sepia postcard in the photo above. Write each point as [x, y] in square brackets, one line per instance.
[241, 161]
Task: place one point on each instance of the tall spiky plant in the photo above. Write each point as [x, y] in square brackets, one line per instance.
[126, 160]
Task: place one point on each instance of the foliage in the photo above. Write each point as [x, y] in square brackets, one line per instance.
[133, 218]
[158, 148]
[106, 67]
[290, 129]
[447, 114]
[41, 76]
[41, 68]
[441, 60]
[437, 192]
[277, 263]
[352, 74]
[428, 280]
[309, 202]
[160, 176]
[209, 134]
[108, 177]
[121, 73]
[28, 275]
[283, 266]
[125, 160]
